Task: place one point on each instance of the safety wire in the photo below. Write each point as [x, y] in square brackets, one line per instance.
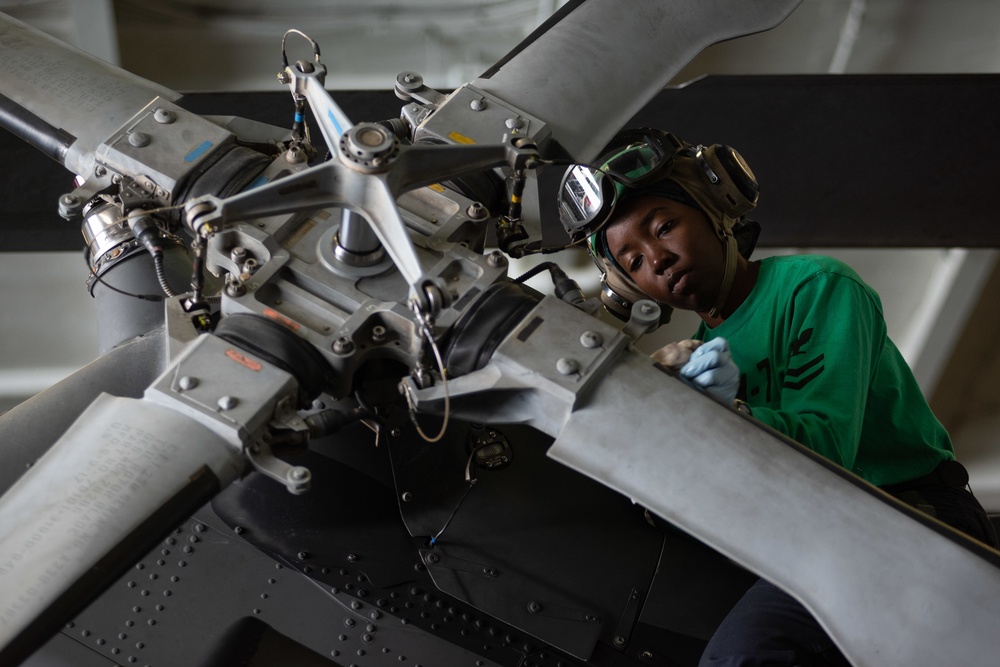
[425, 329]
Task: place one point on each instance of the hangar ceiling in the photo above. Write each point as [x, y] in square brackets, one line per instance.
[932, 297]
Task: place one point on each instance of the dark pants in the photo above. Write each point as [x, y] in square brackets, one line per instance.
[768, 627]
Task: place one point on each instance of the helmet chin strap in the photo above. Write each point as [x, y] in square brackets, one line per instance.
[731, 250]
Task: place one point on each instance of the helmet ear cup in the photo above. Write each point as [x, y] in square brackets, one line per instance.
[731, 181]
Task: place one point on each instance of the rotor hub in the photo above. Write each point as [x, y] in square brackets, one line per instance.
[369, 146]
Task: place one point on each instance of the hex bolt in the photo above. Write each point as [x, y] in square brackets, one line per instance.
[298, 473]
[352, 558]
[236, 289]
[284, 78]
[238, 254]
[619, 640]
[378, 333]
[591, 339]
[534, 607]
[343, 345]
[228, 402]
[100, 171]
[138, 139]
[187, 382]
[646, 655]
[407, 496]
[490, 571]
[567, 366]
[477, 211]
[647, 308]
[496, 259]
[295, 155]
[432, 559]
[396, 432]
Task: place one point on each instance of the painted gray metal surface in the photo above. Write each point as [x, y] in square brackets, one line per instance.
[70, 89]
[890, 589]
[117, 466]
[28, 430]
[592, 71]
[877, 584]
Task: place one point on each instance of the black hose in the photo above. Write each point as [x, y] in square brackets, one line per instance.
[534, 271]
[50, 140]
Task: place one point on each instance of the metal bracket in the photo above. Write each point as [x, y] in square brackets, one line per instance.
[645, 317]
[296, 479]
[627, 621]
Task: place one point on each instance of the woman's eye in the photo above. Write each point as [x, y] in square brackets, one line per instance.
[665, 227]
[634, 265]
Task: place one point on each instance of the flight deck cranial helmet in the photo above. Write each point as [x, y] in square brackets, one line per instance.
[713, 179]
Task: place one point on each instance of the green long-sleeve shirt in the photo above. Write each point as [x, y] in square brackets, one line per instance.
[818, 366]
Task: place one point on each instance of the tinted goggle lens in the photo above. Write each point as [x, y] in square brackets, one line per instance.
[587, 196]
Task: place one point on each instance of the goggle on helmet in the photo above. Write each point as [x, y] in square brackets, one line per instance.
[714, 179]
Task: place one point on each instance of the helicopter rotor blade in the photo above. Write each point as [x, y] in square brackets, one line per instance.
[128, 471]
[593, 69]
[30, 428]
[123, 476]
[62, 100]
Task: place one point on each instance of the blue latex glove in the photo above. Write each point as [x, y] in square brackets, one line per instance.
[711, 367]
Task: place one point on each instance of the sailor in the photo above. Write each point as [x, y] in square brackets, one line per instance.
[799, 342]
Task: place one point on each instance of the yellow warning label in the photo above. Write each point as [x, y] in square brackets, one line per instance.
[460, 138]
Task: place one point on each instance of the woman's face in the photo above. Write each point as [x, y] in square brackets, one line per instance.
[670, 250]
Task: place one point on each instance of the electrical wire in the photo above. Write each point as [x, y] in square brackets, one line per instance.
[534, 271]
[161, 275]
[158, 267]
[90, 267]
[472, 483]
